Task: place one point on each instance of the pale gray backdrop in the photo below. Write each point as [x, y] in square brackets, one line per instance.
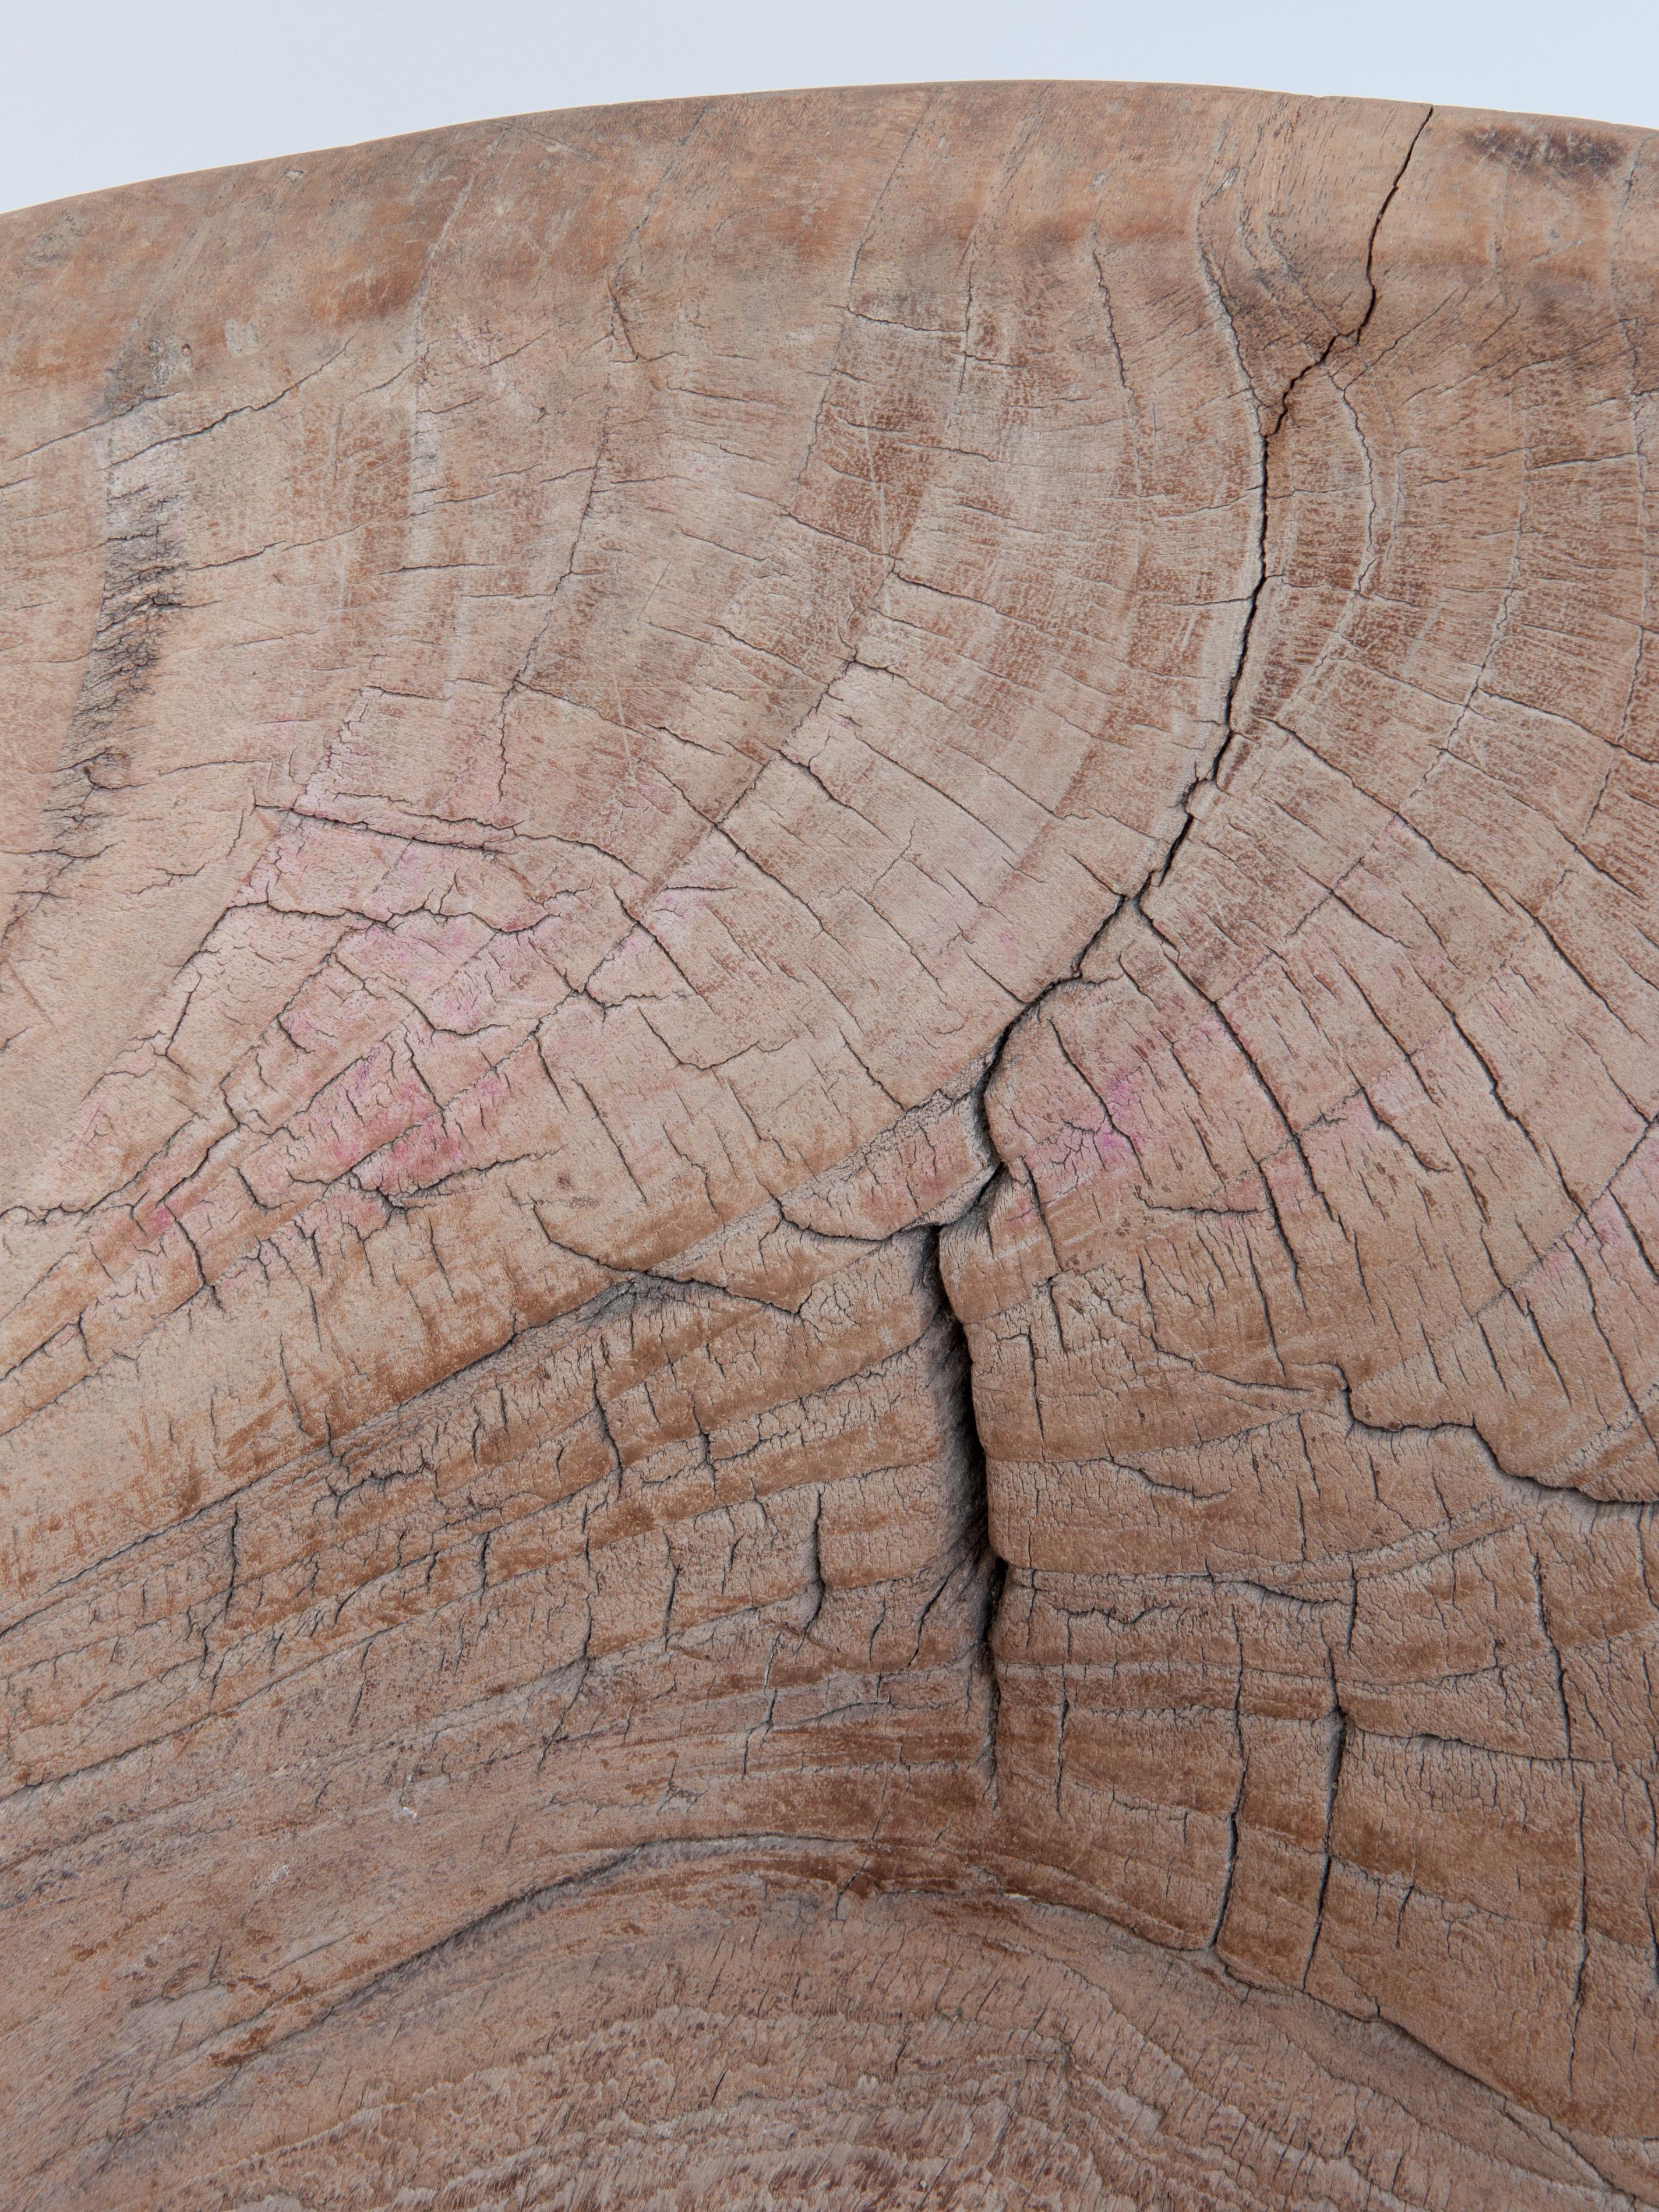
[95, 93]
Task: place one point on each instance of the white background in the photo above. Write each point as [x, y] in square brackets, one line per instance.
[95, 93]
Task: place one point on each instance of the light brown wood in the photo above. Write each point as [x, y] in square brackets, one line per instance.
[829, 1040]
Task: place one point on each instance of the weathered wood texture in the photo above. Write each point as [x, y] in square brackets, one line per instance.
[830, 1037]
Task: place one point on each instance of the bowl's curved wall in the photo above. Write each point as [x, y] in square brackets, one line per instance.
[830, 1032]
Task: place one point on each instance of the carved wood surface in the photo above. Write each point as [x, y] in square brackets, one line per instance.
[829, 1205]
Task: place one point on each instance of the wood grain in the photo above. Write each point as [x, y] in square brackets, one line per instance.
[829, 1213]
